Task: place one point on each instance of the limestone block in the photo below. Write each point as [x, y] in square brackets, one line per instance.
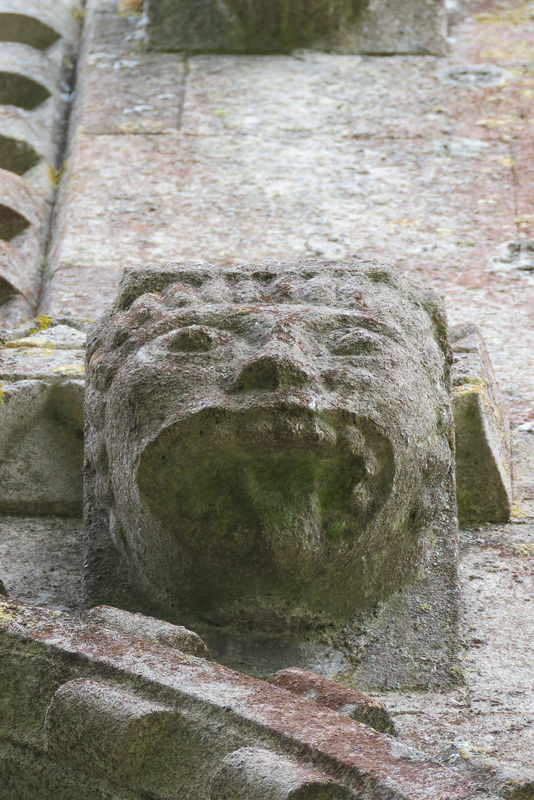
[483, 465]
[335, 696]
[253, 773]
[270, 449]
[367, 26]
[41, 421]
[16, 210]
[175, 636]
[84, 706]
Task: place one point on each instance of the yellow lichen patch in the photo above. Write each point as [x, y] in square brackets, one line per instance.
[467, 388]
[53, 175]
[69, 369]
[506, 161]
[517, 512]
[6, 612]
[510, 16]
[43, 322]
[405, 222]
[77, 15]
[129, 7]
[524, 549]
[29, 342]
[1, 394]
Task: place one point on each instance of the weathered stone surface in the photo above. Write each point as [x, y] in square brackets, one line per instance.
[175, 636]
[495, 775]
[253, 773]
[131, 718]
[483, 464]
[27, 77]
[38, 23]
[336, 697]
[21, 146]
[41, 421]
[17, 209]
[108, 731]
[356, 26]
[515, 255]
[289, 430]
[41, 560]
[135, 92]
[121, 88]
[24, 211]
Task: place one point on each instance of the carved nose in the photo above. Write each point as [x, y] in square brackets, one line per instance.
[271, 370]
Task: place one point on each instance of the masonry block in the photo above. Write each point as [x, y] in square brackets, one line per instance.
[483, 464]
[27, 77]
[261, 26]
[41, 419]
[95, 727]
[22, 147]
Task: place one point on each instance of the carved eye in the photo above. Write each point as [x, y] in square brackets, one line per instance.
[194, 339]
[356, 343]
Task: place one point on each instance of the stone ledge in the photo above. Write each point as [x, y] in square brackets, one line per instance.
[89, 676]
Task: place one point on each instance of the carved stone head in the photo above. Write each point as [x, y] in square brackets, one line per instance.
[269, 442]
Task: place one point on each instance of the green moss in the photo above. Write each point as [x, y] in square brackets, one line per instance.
[283, 25]
[267, 523]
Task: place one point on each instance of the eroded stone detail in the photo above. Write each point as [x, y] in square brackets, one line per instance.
[253, 773]
[268, 448]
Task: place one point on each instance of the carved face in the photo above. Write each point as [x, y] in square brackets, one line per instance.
[268, 453]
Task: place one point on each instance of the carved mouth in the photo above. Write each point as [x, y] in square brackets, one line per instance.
[247, 500]
[265, 460]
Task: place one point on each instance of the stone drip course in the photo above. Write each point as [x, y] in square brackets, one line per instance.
[117, 716]
[37, 50]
